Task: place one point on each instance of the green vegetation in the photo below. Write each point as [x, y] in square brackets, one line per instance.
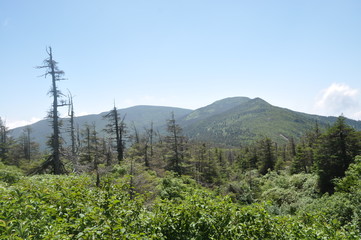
[239, 168]
[167, 187]
[228, 122]
[71, 207]
[251, 120]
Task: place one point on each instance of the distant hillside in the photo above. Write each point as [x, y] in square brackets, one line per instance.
[138, 116]
[213, 109]
[246, 120]
[229, 122]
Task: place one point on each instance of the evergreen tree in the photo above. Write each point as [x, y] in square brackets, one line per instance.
[301, 162]
[336, 151]
[305, 151]
[292, 147]
[251, 158]
[266, 155]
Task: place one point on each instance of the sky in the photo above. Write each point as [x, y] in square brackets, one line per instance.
[304, 55]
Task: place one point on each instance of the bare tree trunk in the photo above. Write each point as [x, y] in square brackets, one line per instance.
[175, 141]
[55, 142]
[3, 141]
[96, 153]
[131, 184]
[117, 125]
[151, 132]
[72, 134]
[56, 75]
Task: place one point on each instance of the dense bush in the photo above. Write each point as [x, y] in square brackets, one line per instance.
[71, 207]
[288, 193]
[9, 174]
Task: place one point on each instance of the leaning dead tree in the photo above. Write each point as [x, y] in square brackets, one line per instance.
[51, 69]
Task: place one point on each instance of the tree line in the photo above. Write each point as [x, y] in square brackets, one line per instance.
[325, 152]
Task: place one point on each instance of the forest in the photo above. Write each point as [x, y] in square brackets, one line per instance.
[123, 183]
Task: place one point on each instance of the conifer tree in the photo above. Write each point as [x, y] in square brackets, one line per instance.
[266, 155]
[338, 147]
[301, 162]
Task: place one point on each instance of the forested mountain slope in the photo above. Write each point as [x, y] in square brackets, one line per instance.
[228, 122]
[250, 120]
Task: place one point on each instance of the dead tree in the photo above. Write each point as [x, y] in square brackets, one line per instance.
[96, 154]
[26, 142]
[175, 142]
[3, 140]
[56, 74]
[148, 144]
[72, 133]
[150, 133]
[116, 127]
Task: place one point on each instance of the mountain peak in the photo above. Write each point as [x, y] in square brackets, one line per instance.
[216, 107]
[259, 101]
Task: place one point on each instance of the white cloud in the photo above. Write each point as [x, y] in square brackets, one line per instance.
[339, 99]
[15, 124]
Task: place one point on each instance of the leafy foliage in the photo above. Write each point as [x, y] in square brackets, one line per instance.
[9, 174]
[259, 191]
[70, 207]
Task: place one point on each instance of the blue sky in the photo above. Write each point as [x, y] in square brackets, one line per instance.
[303, 55]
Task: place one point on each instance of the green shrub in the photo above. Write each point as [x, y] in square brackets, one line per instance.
[71, 207]
[173, 187]
[288, 193]
[9, 174]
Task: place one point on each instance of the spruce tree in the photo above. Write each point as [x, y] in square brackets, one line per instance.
[336, 151]
[266, 155]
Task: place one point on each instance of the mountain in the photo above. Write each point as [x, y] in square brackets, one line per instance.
[245, 120]
[213, 109]
[229, 122]
[137, 116]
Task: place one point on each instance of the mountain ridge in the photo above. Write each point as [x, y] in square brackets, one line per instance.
[229, 122]
[254, 119]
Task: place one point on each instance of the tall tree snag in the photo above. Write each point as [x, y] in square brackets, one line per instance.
[72, 133]
[52, 69]
[116, 127]
[175, 141]
[3, 140]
